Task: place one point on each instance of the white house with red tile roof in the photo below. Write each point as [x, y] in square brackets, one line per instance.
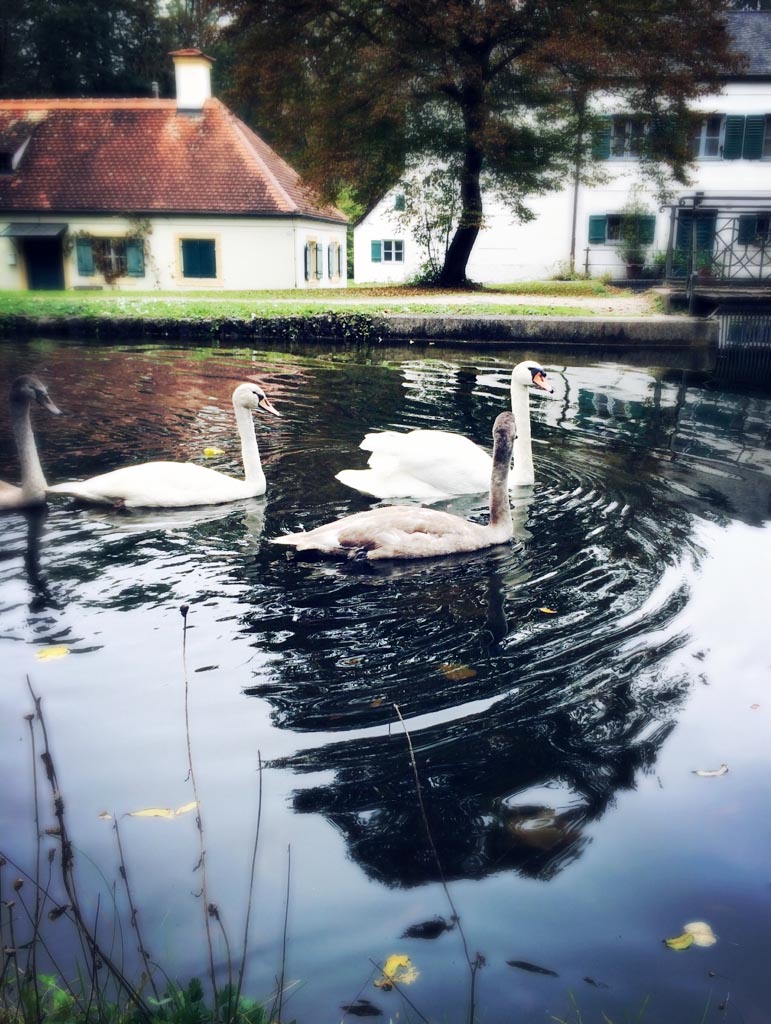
[141, 194]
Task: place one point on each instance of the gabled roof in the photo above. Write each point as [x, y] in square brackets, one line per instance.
[141, 156]
[750, 32]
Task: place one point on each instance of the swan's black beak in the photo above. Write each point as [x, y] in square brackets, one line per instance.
[540, 381]
[268, 406]
[41, 397]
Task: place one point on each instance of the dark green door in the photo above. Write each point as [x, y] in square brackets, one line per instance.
[45, 264]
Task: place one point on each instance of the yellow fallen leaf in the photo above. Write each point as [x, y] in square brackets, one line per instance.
[187, 807]
[701, 933]
[211, 453]
[680, 941]
[548, 611]
[153, 812]
[457, 673]
[398, 969]
[50, 653]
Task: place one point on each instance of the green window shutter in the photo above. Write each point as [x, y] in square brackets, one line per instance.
[754, 131]
[705, 232]
[307, 261]
[135, 257]
[683, 235]
[339, 260]
[319, 260]
[597, 226]
[734, 137]
[647, 229]
[748, 229]
[399, 202]
[85, 255]
[198, 257]
[330, 261]
[601, 140]
[377, 252]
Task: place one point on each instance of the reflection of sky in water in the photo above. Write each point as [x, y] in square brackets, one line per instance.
[552, 749]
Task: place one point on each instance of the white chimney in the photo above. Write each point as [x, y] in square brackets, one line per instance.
[192, 71]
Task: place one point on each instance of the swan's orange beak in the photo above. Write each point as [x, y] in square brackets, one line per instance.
[540, 381]
[268, 406]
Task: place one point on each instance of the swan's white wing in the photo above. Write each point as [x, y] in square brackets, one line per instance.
[160, 485]
[421, 464]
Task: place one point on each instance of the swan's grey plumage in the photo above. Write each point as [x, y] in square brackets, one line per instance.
[24, 391]
[408, 531]
[433, 464]
[182, 484]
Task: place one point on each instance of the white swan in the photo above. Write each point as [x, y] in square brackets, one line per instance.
[408, 531]
[432, 464]
[182, 484]
[24, 391]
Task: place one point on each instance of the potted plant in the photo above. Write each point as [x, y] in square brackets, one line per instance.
[633, 250]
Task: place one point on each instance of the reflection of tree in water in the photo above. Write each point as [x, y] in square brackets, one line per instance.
[512, 789]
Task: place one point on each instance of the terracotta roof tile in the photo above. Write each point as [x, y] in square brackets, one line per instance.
[141, 156]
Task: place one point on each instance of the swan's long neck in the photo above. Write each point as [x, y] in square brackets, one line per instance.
[523, 473]
[500, 504]
[33, 481]
[250, 453]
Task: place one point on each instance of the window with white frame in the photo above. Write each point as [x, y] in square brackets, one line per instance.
[626, 137]
[708, 139]
[388, 250]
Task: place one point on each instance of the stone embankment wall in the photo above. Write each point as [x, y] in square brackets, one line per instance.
[666, 332]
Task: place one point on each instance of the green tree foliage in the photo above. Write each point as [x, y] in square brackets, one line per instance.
[57, 48]
[354, 92]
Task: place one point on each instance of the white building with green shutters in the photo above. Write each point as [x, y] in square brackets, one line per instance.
[728, 200]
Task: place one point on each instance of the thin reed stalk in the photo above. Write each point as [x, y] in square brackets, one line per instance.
[134, 918]
[32, 958]
[83, 929]
[278, 1003]
[478, 960]
[199, 821]
[252, 875]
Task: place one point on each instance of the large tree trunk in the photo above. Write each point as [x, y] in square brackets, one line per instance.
[453, 274]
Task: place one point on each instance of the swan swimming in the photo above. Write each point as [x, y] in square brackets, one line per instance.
[182, 484]
[408, 531]
[24, 391]
[433, 464]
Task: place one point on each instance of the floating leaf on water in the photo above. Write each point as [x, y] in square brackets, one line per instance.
[548, 611]
[104, 816]
[51, 653]
[457, 673]
[711, 774]
[211, 453]
[680, 941]
[597, 984]
[153, 812]
[376, 702]
[701, 932]
[187, 807]
[525, 965]
[427, 929]
[362, 1008]
[397, 970]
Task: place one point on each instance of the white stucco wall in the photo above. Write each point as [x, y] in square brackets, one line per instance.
[509, 251]
[250, 253]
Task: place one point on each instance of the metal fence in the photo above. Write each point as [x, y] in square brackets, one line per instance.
[723, 239]
[744, 345]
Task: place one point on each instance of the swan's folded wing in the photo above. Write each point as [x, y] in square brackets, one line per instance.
[423, 464]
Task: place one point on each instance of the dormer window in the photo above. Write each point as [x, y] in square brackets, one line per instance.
[6, 162]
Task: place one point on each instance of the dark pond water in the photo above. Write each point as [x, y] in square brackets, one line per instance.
[556, 752]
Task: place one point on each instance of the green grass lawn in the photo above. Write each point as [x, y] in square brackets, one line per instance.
[201, 305]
